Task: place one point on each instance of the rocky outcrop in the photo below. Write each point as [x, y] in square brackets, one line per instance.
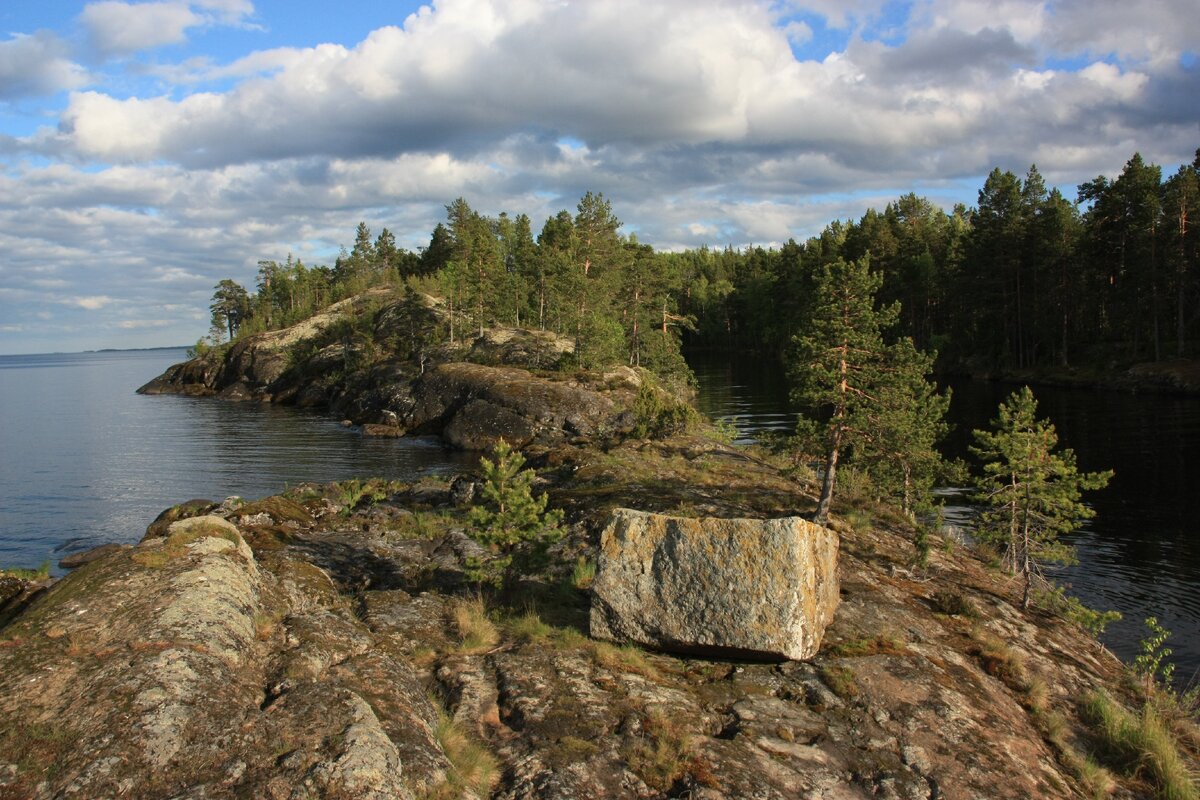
[253, 367]
[717, 587]
[522, 348]
[325, 644]
[473, 406]
[473, 396]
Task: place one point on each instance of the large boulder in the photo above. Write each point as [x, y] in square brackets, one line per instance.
[719, 587]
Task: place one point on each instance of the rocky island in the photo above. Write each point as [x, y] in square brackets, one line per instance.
[687, 635]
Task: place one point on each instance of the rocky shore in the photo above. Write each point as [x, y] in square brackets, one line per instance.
[325, 643]
[328, 643]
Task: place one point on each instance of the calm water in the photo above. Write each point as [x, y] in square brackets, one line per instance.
[84, 460]
[1139, 556]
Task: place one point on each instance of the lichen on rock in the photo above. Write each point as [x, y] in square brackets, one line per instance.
[734, 587]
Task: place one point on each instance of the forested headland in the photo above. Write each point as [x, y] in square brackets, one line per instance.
[1027, 278]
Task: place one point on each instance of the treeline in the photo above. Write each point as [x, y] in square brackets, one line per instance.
[1027, 278]
[579, 277]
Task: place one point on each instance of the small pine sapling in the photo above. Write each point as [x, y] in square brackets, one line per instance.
[510, 514]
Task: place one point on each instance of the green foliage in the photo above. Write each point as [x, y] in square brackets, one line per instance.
[230, 306]
[875, 400]
[39, 573]
[200, 349]
[600, 342]
[350, 493]
[1056, 600]
[1149, 664]
[1031, 493]
[510, 515]
[656, 413]
[1140, 744]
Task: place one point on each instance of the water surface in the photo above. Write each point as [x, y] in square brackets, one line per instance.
[86, 461]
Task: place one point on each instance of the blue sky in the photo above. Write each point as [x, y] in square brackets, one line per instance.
[149, 149]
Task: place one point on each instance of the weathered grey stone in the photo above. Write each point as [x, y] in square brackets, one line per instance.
[76, 560]
[756, 588]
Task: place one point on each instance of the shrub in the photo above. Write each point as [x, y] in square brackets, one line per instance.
[657, 414]
[1149, 665]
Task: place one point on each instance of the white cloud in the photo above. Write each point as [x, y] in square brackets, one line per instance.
[37, 64]
[119, 28]
[137, 324]
[93, 303]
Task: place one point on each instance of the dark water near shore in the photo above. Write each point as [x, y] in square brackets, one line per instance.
[1141, 553]
[84, 460]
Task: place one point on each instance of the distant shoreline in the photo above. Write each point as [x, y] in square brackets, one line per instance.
[101, 350]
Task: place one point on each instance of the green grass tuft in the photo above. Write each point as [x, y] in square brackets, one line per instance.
[1140, 744]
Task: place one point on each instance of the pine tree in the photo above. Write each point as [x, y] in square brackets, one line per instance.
[511, 514]
[837, 359]
[904, 425]
[1031, 492]
[230, 306]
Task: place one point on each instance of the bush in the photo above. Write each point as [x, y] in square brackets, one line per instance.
[657, 414]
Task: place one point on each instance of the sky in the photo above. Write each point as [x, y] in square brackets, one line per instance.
[150, 149]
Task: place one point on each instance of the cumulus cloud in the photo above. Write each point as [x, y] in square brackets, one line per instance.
[37, 64]
[697, 120]
[117, 28]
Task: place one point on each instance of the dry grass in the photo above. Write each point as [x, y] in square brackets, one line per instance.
[476, 631]
[472, 767]
[1141, 745]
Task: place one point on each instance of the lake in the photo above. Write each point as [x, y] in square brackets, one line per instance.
[1141, 553]
[87, 461]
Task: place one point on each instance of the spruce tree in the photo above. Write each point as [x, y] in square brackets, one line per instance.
[1031, 492]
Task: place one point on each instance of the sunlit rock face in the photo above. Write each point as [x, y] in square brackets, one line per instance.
[735, 587]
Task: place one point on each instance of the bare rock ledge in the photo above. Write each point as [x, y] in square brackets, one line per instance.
[744, 588]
